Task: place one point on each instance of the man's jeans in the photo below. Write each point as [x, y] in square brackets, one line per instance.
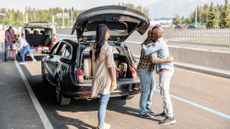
[164, 84]
[24, 51]
[147, 89]
[102, 108]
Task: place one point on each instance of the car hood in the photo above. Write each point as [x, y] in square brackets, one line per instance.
[122, 21]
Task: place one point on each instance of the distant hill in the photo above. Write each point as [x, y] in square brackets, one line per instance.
[169, 8]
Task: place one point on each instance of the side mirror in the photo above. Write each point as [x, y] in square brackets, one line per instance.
[45, 52]
[64, 60]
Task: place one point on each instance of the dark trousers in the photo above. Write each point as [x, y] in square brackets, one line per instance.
[7, 47]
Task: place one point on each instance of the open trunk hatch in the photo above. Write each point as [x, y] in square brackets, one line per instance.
[122, 21]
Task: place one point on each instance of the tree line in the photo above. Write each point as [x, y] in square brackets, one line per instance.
[52, 15]
[17, 18]
[211, 16]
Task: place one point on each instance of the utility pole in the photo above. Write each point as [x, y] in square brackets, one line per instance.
[196, 13]
[142, 8]
[63, 21]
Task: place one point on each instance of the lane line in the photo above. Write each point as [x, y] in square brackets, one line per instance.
[34, 99]
[199, 106]
[195, 104]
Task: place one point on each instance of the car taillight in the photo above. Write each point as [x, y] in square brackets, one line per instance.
[133, 72]
[79, 75]
[54, 39]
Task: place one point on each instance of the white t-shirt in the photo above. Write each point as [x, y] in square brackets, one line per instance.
[23, 43]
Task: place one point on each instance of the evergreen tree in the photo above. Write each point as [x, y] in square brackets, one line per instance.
[177, 20]
[225, 16]
[213, 17]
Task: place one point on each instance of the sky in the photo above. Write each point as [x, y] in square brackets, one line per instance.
[167, 8]
[79, 4]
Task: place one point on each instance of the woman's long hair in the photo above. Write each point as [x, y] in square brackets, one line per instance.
[100, 38]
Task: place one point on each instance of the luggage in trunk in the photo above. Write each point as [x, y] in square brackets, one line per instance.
[119, 61]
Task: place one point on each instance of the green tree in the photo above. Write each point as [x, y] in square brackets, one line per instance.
[177, 20]
[225, 16]
[139, 8]
[213, 17]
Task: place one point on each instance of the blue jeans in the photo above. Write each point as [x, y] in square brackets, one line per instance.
[24, 51]
[102, 108]
[147, 88]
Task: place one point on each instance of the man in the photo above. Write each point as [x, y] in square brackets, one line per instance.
[9, 37]
[24, 48]
[145, 70]
[165, 71]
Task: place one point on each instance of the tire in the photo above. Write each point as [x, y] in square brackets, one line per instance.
[43, 73]
[127, 97]
[60, 99]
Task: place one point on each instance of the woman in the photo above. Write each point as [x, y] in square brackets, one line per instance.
[104, 75]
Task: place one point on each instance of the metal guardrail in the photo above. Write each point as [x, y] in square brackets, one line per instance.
[209, 39]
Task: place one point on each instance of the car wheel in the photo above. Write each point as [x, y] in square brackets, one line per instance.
[61, 100]
[127, 97]
[43, 73]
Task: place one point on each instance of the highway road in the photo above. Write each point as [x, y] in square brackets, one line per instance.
[200, 101]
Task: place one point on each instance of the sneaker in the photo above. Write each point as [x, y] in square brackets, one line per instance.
[34, 60]
[168, 121]
[22, 63]
[151, 112]
[146, 115]
[161, 114]
[105, 126]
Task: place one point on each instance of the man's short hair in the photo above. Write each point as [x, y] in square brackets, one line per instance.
[159, 30]
[158, 27]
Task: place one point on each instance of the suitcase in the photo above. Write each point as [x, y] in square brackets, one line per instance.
[12, 54]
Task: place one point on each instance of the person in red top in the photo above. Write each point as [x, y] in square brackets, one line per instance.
[9, 37]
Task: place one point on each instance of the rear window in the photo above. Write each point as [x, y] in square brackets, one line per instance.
[38, 31]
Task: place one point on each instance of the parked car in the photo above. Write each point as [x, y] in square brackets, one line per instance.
[40, 35]
[68, 66]
[193, 26]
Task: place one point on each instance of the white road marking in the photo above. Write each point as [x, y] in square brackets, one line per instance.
[34, 99]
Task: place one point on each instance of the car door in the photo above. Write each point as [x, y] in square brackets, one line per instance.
[54, 61]
[47, 61]
[66, 59]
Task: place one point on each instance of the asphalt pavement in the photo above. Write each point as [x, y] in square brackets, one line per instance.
[16, 108]
[18, 111]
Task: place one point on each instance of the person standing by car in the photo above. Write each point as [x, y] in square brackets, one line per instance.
[165, 71]
[24, 48]
[146, 74]
[9, 37]
[104, 74]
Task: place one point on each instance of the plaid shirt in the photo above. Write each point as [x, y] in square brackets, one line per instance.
[145, 63]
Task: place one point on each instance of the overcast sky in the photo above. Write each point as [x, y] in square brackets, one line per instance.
[80, 4]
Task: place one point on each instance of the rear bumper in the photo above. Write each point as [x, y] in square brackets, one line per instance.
[87, 94]
[123, 89]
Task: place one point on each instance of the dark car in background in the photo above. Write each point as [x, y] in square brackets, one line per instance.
[40, 35]
[68, 66]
